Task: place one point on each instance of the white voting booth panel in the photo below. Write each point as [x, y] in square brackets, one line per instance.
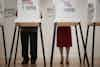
[28, 11]
[97, 11]
[94, 11]
[7, 11]
[90, 11]
[66, 11]
[50, 16]
[2, 7]
[1, 10]
[8, 8]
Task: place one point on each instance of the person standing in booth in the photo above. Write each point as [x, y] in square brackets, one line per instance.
[64, 39]
[26, 33]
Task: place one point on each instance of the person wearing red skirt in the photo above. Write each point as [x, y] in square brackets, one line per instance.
[64, 39]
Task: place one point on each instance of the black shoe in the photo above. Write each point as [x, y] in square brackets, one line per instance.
[25, 61]
[33, 61]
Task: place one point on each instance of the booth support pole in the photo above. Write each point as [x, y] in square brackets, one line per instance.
[53, 42]
[87, 33]
[4, 44]
[93, 42]
[41, 34]
[84, 44]
[17, 45]
[12, 45]
[78, 44]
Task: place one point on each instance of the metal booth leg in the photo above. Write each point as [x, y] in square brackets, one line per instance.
[17, 45]
[4, 44]
[84, 45]
[87, 33]
[53, 42]
[12, 46]
[78, 44]
[93, 42]
[42, 43]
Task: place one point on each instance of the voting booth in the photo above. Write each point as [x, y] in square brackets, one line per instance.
[28, 15]
[68, 14]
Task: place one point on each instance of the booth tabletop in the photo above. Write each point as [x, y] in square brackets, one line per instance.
[67, 23]
[34, 24]
[96, 24]
[27, 24]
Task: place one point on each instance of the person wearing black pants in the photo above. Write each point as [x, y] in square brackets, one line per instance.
[26, 33]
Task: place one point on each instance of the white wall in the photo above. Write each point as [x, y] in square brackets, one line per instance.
[47, 27]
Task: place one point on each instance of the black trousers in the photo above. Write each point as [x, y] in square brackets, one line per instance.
[26, 33]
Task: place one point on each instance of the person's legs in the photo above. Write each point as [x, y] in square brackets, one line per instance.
[33, 46]
[61, 54]
[67, 55]
[24, 41]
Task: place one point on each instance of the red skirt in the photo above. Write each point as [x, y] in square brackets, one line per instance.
[64, 38]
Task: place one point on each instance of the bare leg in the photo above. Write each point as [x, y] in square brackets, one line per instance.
[67, 56]
[61, 53]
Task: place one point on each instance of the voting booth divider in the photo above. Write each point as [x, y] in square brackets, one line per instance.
[28, 16]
